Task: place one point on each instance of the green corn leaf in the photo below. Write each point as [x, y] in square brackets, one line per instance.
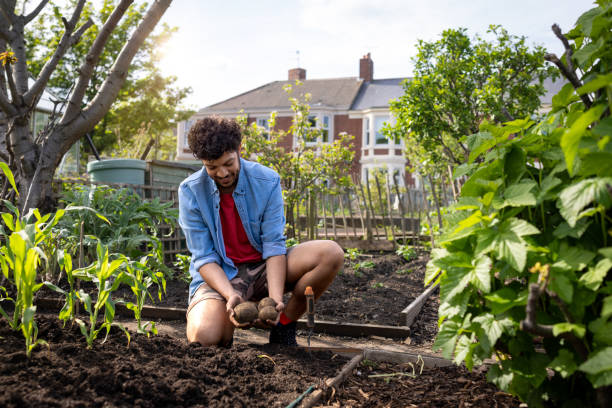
[54, 288]
[9, 176]
[577, 329]
[571, 138]
[564, 363]
[573, 199]
[596, 275]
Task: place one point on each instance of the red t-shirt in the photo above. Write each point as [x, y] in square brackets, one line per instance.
[237, 245]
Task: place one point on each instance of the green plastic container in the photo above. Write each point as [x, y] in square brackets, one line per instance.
[126, 171]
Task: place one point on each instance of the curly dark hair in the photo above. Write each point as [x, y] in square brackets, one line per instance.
[211, 137]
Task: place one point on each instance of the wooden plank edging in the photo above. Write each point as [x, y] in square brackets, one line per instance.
[410, 313]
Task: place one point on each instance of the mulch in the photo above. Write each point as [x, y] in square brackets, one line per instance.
[152, 372]
[403, 385]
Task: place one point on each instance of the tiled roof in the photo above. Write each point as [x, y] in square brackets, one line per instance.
[334, 92]
[378, 93]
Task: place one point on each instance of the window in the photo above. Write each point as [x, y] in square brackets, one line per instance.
[323, 123]
[40, 120]
[264, 124]
[188, 125]
[379, 122]
[367, 131]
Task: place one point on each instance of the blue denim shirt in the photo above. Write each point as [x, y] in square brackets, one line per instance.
[258, 198]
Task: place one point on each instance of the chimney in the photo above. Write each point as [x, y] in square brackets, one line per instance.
[297, 74]
[366, 68]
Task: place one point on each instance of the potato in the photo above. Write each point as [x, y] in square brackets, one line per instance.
[246, 312]
[267, 301]
[268, 313]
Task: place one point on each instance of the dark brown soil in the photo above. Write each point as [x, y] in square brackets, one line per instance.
[361, 293]
[152, 372]
[435, 387]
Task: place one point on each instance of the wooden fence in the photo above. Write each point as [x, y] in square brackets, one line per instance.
[372, 216]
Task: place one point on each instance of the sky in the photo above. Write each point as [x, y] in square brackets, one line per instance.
[225, 48]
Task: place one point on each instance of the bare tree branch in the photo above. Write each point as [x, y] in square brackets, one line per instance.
[7, 11]
[36, 11]
[568, 49]
[11, 83]
[43, 78]
[103, 100]
[529, 324]
[571, 76]
[93, 56]
[5, 104]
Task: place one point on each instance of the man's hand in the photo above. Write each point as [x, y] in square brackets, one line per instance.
[233, 301]
[269, 324]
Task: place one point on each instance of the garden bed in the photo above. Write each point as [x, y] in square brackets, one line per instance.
[398, 385]
[152, 372]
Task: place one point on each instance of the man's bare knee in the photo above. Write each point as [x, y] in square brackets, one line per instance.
[333, 255]
[207, 337]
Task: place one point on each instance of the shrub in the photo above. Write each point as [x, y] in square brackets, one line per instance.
[523, 272]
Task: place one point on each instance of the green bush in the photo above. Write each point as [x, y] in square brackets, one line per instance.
[523, 272]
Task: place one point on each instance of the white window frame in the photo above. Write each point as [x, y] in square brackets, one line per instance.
[264, 123]
[320, 117]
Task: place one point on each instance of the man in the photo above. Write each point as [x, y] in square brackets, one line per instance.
[231, 212]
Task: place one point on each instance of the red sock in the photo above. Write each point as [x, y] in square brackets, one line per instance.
[284, 319]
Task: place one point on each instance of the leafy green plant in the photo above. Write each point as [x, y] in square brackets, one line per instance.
[140, 277]
[407, 252]
[182, 263]
[133, 222]
[358, 267]
[378, 285]
[352, 254]
[106, 275]
[405, 271]
[19, 261]
[524, 271]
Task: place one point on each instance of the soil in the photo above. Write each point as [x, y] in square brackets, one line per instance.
[159, 371]
[373, 293]
[401, 386]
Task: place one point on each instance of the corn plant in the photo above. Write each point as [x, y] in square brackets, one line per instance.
[106, 275]
[68, 310]
[140, 277]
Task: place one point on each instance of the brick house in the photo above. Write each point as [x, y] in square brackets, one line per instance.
[358, 106]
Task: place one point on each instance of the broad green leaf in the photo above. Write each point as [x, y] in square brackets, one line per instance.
[502, 379]
[546, 188]
[506, 298]
[577, 329]
[514, 164]
[598, 362]
[447, 337]
[517, 195]
[607, 252]
[602, 331]
[463, 351]
[561, 285]
[506, 240]
[492, 327]
[601, 379]
[573, 258]
[564, 363]
[571, 138]
[564, 97]
[596, 275]
[599, 82]
[606, 310]
[563, 230]
[603, 129]
[480, 276]
[573, 199]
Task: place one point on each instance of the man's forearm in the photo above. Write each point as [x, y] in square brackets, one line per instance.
[216, 278]
[276, 271]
